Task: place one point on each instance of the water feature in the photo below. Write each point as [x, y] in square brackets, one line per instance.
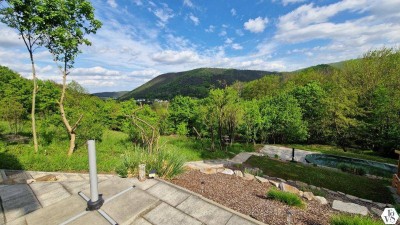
[371, 167]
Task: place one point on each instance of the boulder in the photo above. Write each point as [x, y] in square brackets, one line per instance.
[321, 200]
[228, 172]
[248, 176]
[289, 188]
[349, 207]
[308, 195]
[274, 183]
[262, 179]
[376, 211]
[238, 173]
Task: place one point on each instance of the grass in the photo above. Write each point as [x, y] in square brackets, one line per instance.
[110, 153]
[359, 186]
[353, 220]
[352, 153]
[285, 197]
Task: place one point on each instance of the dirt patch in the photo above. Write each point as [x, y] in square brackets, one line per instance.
[248, 197]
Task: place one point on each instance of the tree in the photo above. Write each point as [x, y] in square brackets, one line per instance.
[13, 112]
[26, 17]
[67, 23]
[252, 120]
[182, 111]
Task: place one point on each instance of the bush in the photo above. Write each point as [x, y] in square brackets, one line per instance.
[352, 169]
[181, 129]
[167, 163]
[285, 197]
[353, 220]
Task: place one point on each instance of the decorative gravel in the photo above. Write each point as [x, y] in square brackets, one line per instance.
[248, 197]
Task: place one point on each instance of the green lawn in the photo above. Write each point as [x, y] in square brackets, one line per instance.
[109, 152]
[359, 186]
[352, 153]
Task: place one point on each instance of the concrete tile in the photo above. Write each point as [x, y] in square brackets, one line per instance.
[127, 207]
[111, 187]
[144, 185]
[90, 218]
[73, 177]
[140, 221]
[58, 212]
[236, 220]
[49, 193]
[17, 201]
[204, 211]
[73, 187]
[166, 214]
[19, 221]
[18, 174]
[168, 193]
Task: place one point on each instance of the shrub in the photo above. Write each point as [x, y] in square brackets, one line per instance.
[167, 163]
[353, 220]
[182, 130]
[352, 169]
[285, 197]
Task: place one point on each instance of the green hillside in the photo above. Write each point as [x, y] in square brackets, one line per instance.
[105, 95]
[193, 83]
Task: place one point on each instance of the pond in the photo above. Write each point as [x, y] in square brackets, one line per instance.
[371, 167]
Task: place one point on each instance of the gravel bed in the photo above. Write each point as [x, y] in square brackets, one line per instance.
[248, 197]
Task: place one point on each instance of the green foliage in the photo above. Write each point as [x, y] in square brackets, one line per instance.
[13, 112]
[181, 129]
[167, 163]
[285, 197]
[353, 220]
[359, 186]
[345, 167]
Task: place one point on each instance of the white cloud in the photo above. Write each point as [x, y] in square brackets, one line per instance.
[188, 3]
[228, 41]
[286, 2]
[138, 2]
[112, 3]
[237, 46]
[222, 33]
[239, 32]
[210, 29]
[176, 57]
[256, 25]
[194, 19]
[233, 12]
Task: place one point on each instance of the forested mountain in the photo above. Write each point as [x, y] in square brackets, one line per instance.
[114, 94]
[193, 83]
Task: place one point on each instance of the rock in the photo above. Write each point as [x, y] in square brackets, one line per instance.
[49, 177]
[341, 193]
[351, 197]
[313, 187]
[380, 205]
[228, 172]
[262, 180]
[300, 184]
[238, 173]
[321, 200]
[275, 183]
[350, 207]
[30, 181]
[280, 179]
[248, 176]
[365, 200]
[308, 195]
[376, 211]
[289, 188]
[301, 193]
[208, 170]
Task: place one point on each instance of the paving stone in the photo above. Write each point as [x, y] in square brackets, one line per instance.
[73, 187]
[19, 221]
[74, 177]
[140, 221]
[127, 207]
[111, 187]
[144, 185]
[58, 212]
[90, 218]
[49, 193]
[349, 207]
[204, 211]
[18, 174]
[241, 157]
[2, 218]
[235, 220]
[168, 193]
[18, 200]
[166, 214]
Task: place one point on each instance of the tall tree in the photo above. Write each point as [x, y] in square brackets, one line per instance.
[26, 17]
[67, 23]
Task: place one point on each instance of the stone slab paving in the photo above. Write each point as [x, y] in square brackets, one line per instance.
[286, 153]
[128, 201]
[241, 157]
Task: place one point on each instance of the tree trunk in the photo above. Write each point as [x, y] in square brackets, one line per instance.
[71, 143]
[35, 142]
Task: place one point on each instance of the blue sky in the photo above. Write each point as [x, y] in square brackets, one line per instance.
[141, 39]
